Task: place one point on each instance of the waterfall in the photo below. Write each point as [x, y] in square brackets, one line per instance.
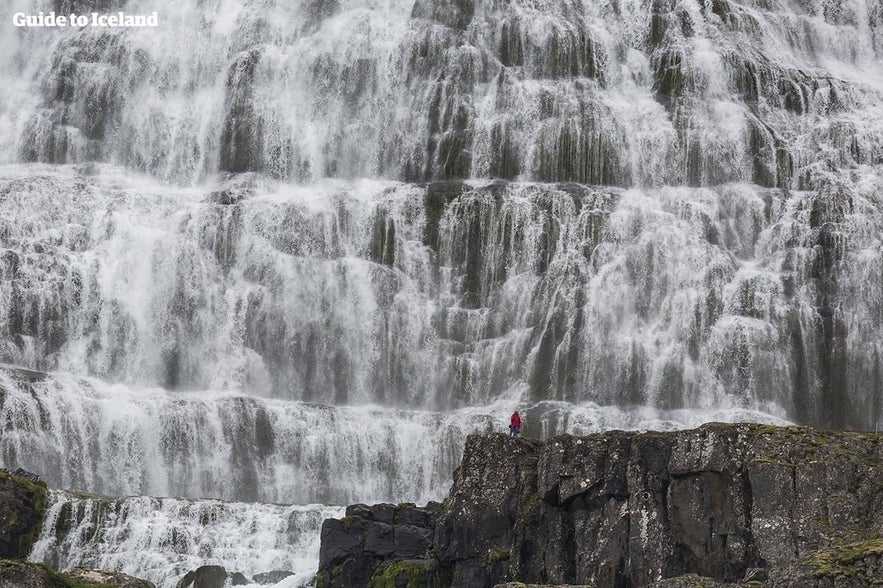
[440, 298]
[163, 539]
[294, 252]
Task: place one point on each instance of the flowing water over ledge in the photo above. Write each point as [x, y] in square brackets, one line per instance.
[119, 441]
[161, 539]
[449, 295]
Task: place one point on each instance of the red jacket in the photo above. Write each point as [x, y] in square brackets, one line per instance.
[515, 421]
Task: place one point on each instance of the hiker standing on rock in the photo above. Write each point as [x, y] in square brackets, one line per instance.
[515, 424]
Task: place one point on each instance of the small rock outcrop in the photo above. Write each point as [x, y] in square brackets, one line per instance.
[212, 577]
[105, 578]
[22, 574]
[273, 577]
[22, 506]
[381, 545]
[719, 505]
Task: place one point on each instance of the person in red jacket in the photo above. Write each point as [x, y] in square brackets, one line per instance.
[515, 424]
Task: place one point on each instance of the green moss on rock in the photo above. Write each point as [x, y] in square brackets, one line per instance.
[413, 573]
[841, 560]
[410, 574]
[22, 511]
[348, 521]
[492, 556]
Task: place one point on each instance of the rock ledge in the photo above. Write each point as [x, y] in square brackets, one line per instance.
[742, 504]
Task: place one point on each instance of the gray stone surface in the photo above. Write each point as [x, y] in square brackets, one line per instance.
[719, 504]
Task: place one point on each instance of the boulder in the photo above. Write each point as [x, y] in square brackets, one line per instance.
[273, 577]
[204, 577]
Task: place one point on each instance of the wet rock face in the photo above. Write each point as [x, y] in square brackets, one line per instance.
[727, 503]
[22, 504]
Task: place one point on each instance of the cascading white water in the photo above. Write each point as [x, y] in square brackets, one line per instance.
[390, 294]
[119, 441]
[296, 251]
[161, 539]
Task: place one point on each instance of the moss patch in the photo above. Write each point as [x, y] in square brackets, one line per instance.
[494, 555]
[348, 521]
[414, 575]
[841, 561]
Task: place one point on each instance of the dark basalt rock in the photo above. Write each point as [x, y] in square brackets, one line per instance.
[217, 577]
[210, 577]
[273, 577]
[722, 505]
[22, 506]
[378, 544]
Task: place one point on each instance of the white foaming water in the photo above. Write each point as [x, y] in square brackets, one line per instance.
[91, 436]
[84, 434]
[161, 539]
[444, 297]
[537, 90]
[719, 259]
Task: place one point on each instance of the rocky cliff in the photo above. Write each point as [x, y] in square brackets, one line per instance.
[723, 503]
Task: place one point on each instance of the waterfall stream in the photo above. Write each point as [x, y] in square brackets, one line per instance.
[294, 252]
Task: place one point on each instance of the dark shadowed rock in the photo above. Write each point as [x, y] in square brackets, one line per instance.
[204, 577]
[379, 540]
[22, 505]
[384, 545]
[384, 513]
[722, 505]
[273, 577]
[340, 539]
[359, 510]
[411, 541]
[695, 581]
